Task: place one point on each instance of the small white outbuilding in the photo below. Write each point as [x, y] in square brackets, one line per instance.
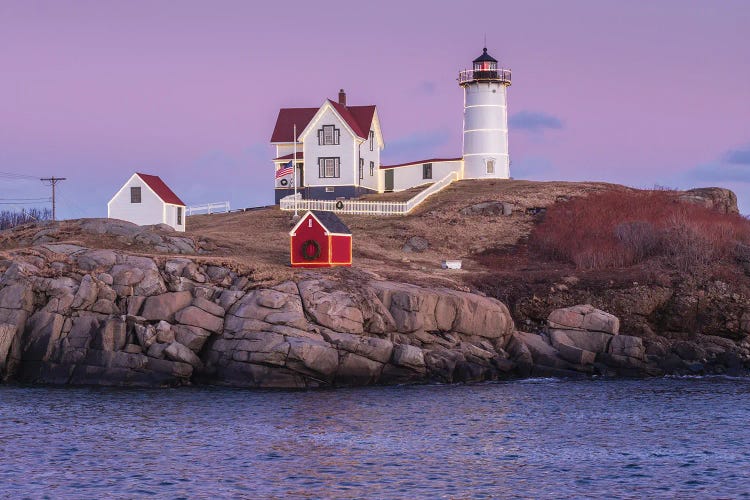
[146, 199]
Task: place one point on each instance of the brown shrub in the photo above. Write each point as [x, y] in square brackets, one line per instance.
[618, 229]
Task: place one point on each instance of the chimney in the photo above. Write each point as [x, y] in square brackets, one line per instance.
[342, 97]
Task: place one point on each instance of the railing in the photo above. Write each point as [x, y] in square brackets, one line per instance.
[365, 207]
[496, 75]
[216, 207]
[438, 186]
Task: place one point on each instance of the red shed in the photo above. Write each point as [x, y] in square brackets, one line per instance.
[320, 239]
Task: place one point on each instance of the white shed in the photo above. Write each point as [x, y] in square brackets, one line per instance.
[146, 199]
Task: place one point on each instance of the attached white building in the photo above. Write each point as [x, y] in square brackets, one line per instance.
[145, 200]
[338, 146]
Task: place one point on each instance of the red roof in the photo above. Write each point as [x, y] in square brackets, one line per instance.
[359, 119]
[161, 189]
[431, 160]
[290, 156]
[287, 119]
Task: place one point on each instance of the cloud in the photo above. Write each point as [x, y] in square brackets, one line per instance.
[534, 122]
[426, 87]
[533, 168]
[416, 146]
[717, 172]
[738, 156]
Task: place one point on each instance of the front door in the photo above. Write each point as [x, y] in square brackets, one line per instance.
[389, 180]
[300, 175]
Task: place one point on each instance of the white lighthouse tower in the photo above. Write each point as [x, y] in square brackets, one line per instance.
[485, 119]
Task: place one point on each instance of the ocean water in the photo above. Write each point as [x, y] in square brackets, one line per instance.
[663, 438]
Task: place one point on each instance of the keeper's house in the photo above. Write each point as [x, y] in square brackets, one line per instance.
[144, 200]
[320, 239]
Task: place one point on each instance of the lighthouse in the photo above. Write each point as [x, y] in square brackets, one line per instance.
[485, 141]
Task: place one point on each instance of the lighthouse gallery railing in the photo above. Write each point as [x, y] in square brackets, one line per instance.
[495, 75]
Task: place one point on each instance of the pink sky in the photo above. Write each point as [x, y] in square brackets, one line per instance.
[641, 93]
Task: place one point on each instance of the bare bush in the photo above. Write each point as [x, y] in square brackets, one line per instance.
[611, 230]
[9, 219]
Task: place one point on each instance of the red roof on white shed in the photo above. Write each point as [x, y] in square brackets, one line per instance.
[160, 188]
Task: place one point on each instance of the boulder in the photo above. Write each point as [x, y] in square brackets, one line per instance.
[408, 356]
[192, 337]
[93, 259]
[165, 305]
[369, 347]
[164, 333]
[17, 296]
[583, 317]
[357, 370]
[178, 352]
[306, 355]
[7, 335]
[41, 335]
[111, 336]
[331, 307]
[597, 342]
[416, 244]
[194, 316]
[626, 345]
[87, 293]
[209, 307]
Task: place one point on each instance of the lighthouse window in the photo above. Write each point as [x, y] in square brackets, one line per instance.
[361, 168]
[372, 168]
[490, 166]
[328, 135]
[427, 171]
[328, 167]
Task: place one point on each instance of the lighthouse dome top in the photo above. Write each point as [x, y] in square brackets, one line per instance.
[485, 57]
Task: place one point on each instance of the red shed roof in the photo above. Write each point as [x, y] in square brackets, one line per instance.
[160, 188]
[431, 160]
[359, 119]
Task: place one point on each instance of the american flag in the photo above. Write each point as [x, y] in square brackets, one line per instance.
[285, 170]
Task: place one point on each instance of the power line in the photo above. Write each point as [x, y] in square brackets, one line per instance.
[45, 198]
[15, 176]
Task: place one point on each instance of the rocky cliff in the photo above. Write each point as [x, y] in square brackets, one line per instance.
[74, 315]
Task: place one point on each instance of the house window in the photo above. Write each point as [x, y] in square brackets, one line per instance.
[372, 140]
[179, 216]
[372, 168]
[427, 171]
[135, 195]
[490, 166]
[361, 168]
[328, 135]
[329, 168]
[329, 189]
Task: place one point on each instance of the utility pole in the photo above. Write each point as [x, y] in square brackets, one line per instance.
[52, 181]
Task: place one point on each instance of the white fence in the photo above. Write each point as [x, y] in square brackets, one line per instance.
[366, 207]
[216, 207]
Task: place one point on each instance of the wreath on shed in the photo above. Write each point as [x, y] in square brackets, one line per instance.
[310, 250]
[284, 182]
[339, 204]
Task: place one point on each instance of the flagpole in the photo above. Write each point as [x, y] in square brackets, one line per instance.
[294, 172]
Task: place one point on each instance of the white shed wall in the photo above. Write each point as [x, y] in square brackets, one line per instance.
[149, 211]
